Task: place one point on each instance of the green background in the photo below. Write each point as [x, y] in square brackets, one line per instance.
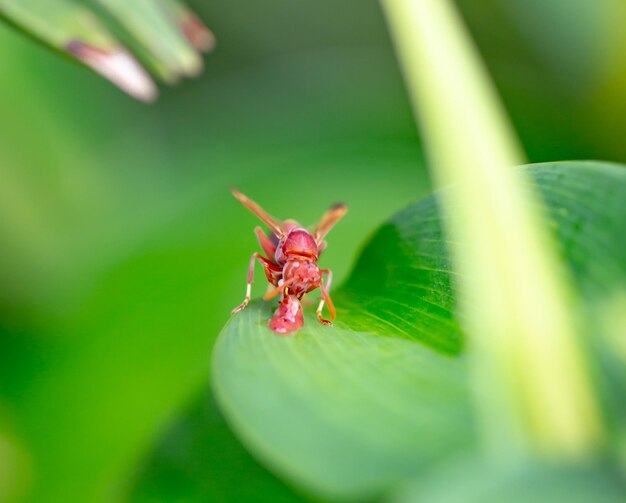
[122, 250]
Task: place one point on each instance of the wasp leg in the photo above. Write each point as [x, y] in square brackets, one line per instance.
[266, 244]
[326, 299]
[281, 288]
[266, 263]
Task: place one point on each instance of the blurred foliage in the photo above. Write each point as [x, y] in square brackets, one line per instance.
[123, 251]
[528, 46]
[200, 460]
[477, 482]
[14, 464]
[164, 33]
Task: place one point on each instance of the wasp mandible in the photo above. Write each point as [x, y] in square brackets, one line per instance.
[291, 264]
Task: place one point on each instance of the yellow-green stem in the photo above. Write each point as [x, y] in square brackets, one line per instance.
[533, 383]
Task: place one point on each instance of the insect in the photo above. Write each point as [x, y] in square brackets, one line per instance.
[291, 264]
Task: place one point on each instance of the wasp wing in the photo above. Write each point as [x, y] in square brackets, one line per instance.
[328, 221]
[265, 217]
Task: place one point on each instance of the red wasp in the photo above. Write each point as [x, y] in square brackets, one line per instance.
[292, 264]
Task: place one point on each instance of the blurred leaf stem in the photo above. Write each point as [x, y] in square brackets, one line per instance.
[533, 385]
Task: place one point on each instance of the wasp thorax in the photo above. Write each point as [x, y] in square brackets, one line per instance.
[302, 275]
[298, 243]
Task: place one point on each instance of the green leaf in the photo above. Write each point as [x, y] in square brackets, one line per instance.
[159, 35]
[342, 411]
[164, 33]
[352, 410]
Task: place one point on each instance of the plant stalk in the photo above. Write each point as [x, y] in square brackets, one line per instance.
[534, 389]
